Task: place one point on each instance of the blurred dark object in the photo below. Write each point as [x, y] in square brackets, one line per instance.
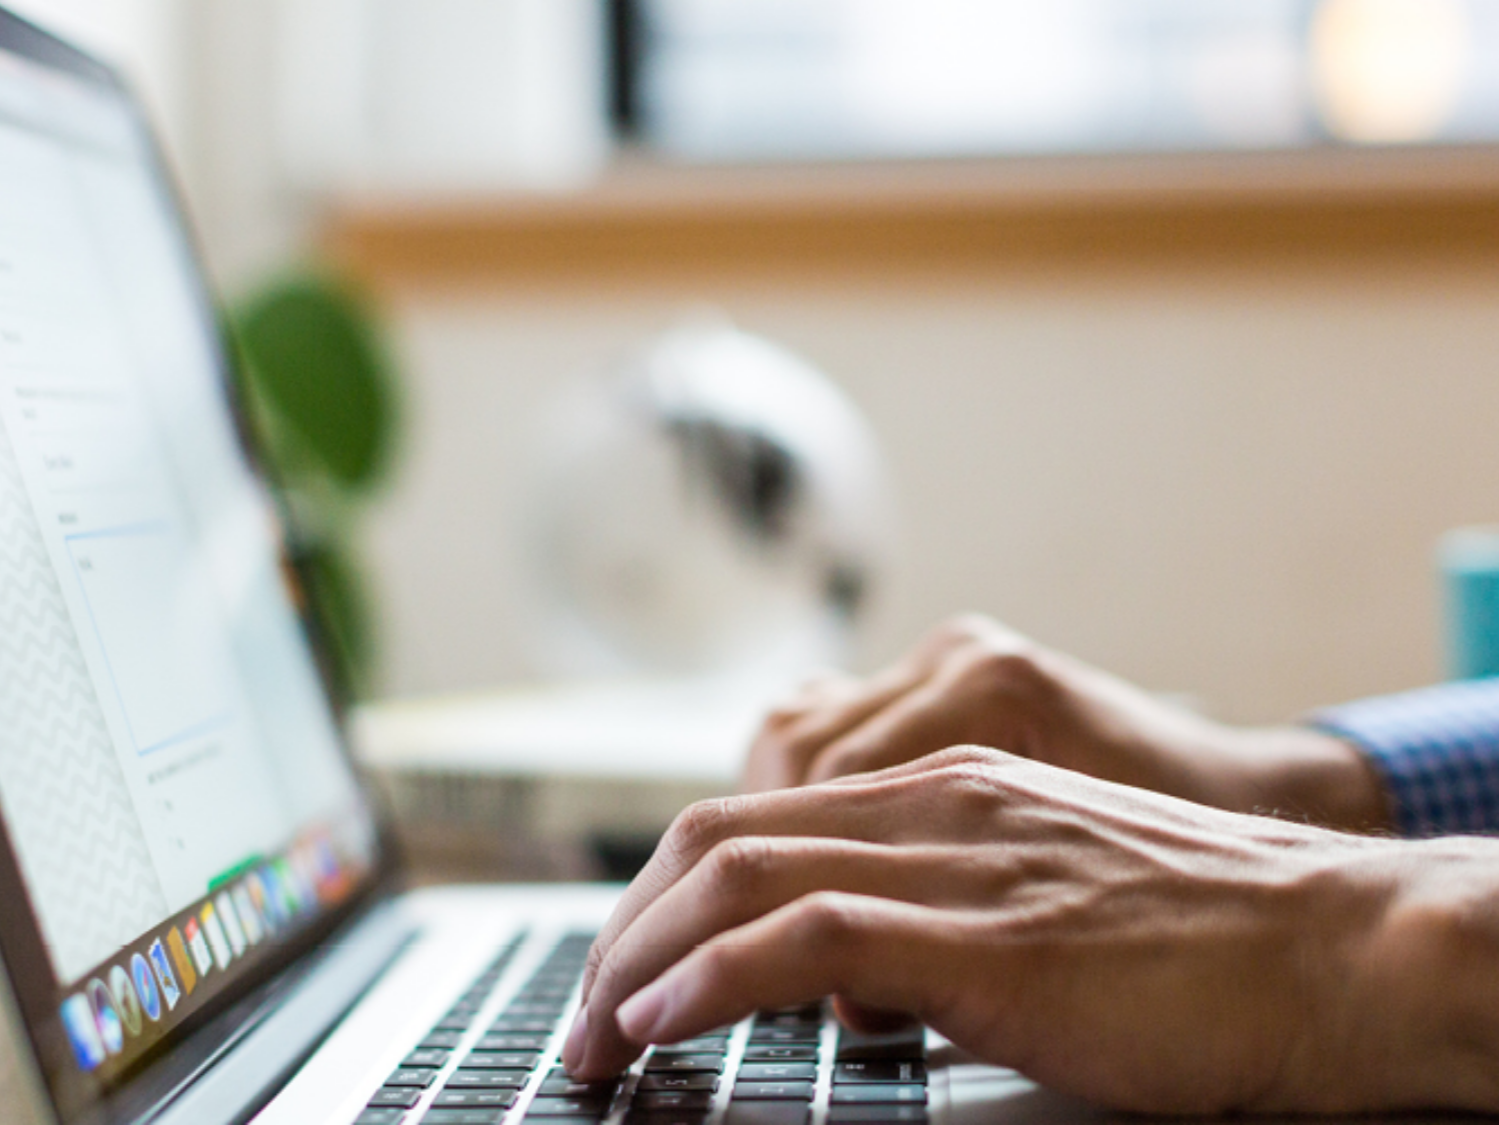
[622, 856]
[626, 45]
[322, 394]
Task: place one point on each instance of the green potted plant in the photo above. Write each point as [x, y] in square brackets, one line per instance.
[321, 392]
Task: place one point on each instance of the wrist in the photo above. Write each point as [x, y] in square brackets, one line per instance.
[1302, 773]
[1430, 978]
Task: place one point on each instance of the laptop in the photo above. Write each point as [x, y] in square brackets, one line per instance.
[201, 913]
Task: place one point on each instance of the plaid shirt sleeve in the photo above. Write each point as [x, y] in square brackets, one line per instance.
[1437, 750]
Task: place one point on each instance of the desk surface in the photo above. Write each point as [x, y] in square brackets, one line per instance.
[649, 730]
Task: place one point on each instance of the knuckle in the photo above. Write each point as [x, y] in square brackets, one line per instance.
[970, 774]
[785, 714]
[831, 920]
[981, 757]
[1007, 669]
[970, 790]
[596, 954]
[744, 863]
[963, 627]
[701, 825]
[716, 964]
[606, 973]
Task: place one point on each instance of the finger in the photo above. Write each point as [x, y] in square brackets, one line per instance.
[881, 954]
[825, 683]
[924, 721]
[961, 665]
[792, 736]
[749, 877]
[854, 814]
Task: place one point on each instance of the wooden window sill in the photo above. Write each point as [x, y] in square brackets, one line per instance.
[645, 218]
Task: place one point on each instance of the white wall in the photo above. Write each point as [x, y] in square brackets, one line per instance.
[1227, 484]
[1222, 484]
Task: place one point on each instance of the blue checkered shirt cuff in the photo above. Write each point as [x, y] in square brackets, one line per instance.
[1437, 750]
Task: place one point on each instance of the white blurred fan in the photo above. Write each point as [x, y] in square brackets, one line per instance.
[716, 505]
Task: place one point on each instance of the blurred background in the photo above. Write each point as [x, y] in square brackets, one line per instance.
[1175, 322]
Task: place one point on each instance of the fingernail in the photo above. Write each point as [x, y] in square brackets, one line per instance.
[572, 1050]
[640, 1015]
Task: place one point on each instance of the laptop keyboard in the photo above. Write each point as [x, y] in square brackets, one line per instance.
[790, 1067]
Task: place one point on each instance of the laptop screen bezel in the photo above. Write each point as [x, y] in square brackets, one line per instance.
[78, 1098]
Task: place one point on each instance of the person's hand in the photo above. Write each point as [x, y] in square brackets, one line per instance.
[972, 681]
[1136, 950]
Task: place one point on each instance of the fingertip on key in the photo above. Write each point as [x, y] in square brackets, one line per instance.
[577, 1040]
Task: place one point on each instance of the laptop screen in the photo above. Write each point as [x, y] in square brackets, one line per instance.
[176, 800]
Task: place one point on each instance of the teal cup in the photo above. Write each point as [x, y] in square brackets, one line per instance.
[1468, 558]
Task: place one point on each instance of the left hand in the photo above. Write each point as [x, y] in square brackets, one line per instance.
[974, 681]
[1133, 949]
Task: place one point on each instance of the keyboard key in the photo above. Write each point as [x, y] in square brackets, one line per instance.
[457, 1023]
[400, 1097]
[766, 1052]
[886, 1092]
[476, 1099]
[514, 1041]
[488, 1079]
[673, 1099]
[380, 1117]
[772, 1091]
[447, 1116]
[661, 1064]
[785, 1034]
[419, 1077]
[678, 1082]
[427, 1056]
[444, 1040]
[483, 1058]
[906, 1044]
[778, 1072]
[878, 1114]
[705, 1045]
[568, 1107]
[523, 1023]
[768, 1113]
[878, 1070]
[521, 1008]
[559, 1085]
[505, 1060]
